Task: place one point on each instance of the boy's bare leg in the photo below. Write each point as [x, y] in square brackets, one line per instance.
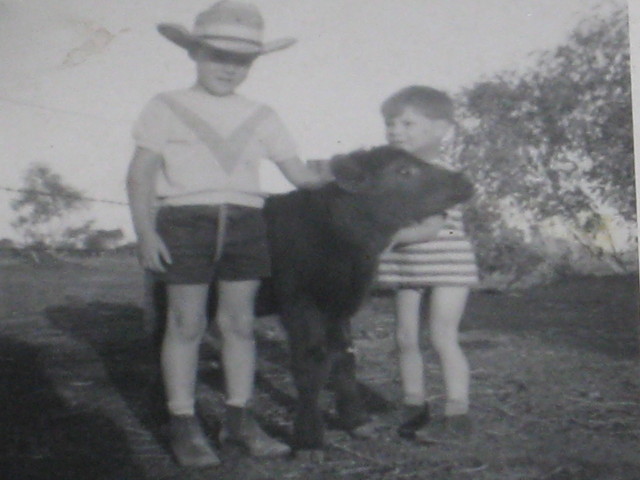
[235, 319]
[446, 311]
[415, 410]
[186, 324]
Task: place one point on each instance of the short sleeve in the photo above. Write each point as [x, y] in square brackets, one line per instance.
[276, 139]
[151, 128]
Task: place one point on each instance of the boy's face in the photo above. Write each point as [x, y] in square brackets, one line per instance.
[413, 132]
[220, 72]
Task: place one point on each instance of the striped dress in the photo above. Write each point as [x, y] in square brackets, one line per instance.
[448, 259]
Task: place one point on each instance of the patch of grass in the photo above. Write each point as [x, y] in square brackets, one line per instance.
[555, 389]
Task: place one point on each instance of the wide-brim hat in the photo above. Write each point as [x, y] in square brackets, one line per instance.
[228, 25]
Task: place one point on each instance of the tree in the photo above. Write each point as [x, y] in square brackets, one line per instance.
[557, 141]
[7, 244]
[43, 208]
[100, 240]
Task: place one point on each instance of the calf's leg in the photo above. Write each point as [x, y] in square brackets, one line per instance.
[310, 374]
[310, 364]
[349, 406]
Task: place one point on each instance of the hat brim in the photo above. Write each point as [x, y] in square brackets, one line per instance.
[185, 39]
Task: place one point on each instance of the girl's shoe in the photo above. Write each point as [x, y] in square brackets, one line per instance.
[189, 444]
[453, 428]
[414, 418]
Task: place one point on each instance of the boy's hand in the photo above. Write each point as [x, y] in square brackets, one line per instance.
[153, 254]
[303, 175]
[425, 230]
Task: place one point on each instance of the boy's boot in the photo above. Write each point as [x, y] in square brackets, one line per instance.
[241, 428]
[450, 428]
[189, 444]
[414, 417]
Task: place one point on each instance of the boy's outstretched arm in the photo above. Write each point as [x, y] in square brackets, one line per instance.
[141, 191]
[302, 176]
[425, 230]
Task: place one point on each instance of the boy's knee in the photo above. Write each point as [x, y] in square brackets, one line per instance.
[407, 342]
[443, 345]
[188, 327]
[238, 326]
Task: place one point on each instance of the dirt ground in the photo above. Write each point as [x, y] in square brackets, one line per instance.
[555, 385]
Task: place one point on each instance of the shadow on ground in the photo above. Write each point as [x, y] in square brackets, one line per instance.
[129, 355]
[119, 333]
[43, 438]
[579, 313]
[581, 424]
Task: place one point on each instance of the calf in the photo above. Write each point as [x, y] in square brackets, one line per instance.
[325, 246]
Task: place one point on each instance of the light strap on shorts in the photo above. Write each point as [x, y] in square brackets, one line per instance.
[221, 231]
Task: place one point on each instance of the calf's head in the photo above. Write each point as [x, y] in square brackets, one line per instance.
[399, 182]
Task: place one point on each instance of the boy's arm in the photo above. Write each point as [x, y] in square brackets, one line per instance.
[141, 191]
[302, 176]
[423, 231]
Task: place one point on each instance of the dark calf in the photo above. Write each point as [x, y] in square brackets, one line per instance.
[325, 246]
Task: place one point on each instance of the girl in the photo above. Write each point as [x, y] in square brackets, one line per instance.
[436, 255]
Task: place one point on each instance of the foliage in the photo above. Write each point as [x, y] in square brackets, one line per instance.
[100, 240]
[555, 141]
[7, 243]
[43, 205]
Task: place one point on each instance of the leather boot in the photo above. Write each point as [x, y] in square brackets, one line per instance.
[189, 444]
[449, 429]
[241, 428]
[414, 417]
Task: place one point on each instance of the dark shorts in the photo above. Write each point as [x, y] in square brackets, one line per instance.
[191, 232]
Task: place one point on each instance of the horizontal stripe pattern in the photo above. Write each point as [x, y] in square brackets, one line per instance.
[449, 259]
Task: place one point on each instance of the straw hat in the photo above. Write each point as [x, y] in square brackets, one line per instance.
[228, 25]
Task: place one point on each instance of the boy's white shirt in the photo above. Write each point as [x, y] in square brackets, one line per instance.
[190, 173]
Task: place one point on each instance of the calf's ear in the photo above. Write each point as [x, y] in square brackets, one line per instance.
[350, 174]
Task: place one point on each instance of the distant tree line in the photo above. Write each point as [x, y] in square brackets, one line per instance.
[44, 208]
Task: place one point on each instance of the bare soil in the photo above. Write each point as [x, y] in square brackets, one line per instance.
[555, 392]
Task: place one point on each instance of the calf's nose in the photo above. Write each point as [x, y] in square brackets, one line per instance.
[462, 188]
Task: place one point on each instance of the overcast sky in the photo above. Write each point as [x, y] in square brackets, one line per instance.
[75, 73]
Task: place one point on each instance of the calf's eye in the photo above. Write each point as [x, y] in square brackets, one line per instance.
[405, 171]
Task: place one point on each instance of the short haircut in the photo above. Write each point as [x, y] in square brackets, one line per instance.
[430, 102]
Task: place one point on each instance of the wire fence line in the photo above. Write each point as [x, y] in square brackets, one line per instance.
[49, 194]
[31, 104]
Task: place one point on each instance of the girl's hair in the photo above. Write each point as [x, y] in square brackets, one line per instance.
[430, 102]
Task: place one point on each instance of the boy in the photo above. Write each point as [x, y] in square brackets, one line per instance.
[434, 254]
[196, 208]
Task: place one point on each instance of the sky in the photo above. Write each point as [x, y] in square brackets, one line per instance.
[76, 73]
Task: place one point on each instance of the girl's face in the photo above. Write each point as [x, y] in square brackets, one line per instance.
[413, 132]
[219, 72]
